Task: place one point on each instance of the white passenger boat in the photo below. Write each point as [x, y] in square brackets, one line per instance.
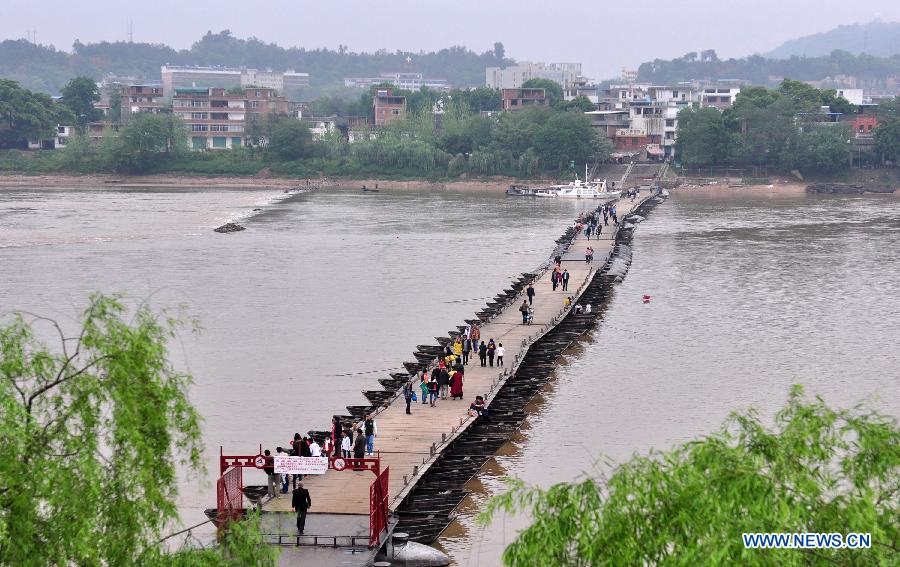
[592, 190]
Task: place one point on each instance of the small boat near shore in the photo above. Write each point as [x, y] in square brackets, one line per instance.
[590, 190]
[574, 190]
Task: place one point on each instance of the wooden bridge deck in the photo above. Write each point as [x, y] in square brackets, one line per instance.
[404, 441]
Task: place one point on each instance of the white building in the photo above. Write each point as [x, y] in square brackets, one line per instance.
[174, 77]
[566, 75]
[63, 133]
[406, 81]
[719, 97]
[853, 96]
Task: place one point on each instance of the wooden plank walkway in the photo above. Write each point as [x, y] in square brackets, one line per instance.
[404, 441]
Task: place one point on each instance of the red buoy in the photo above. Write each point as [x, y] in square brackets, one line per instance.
[646, 298]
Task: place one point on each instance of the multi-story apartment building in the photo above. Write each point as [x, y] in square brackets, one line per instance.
[405, 81]
[174, 77]
[216, 119]
[567, 75]
[719, 97]
[518, 99]
[387, 107]
[651, 112]
[142, 98]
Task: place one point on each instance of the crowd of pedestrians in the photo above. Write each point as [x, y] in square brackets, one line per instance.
[441, 381]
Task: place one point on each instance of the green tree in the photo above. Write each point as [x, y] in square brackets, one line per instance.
[552, 89]
[818, 470]
[825, 149]
[24, 115]
[148, 141]
[115, 106]
[91, 433]
[478, 99]
[79, 95]
[887, 139]
[581, 103]
[565, 137]
[703, 138]
[290, 140]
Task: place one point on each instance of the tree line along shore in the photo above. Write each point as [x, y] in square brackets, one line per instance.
[782, 130]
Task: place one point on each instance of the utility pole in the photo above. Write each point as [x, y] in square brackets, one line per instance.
[130, 31]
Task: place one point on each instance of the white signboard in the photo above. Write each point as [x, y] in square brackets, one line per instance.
[301, 465]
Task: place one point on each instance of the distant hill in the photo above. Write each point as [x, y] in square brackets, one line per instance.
[762, 71]
[875, 38]
[42, 68]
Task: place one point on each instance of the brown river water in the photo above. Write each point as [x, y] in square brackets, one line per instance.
[324, 292]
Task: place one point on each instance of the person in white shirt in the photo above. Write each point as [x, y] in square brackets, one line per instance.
[314, 449]
[500, 351]
[345, 445]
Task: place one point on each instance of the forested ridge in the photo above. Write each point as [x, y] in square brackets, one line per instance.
[47, 69]
[763, 71]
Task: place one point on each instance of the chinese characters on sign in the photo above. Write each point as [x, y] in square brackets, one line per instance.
[301, 465]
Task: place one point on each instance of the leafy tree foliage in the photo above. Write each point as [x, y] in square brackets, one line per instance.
[825, 148]
[565, 137]
[147, 142]
[90, 435]
[25, 115]
[581, 103]
[818, 470]
[783, 128]
[290, 139]
[552, 89]
[703, 138]
[79, 95]
[887, 139]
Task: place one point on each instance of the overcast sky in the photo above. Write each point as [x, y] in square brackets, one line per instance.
[602, 35]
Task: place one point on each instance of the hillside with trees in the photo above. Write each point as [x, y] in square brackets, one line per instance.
[761, 71]
[881, 39]
[46, 69]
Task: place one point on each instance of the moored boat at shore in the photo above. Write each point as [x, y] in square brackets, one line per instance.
[590, 190]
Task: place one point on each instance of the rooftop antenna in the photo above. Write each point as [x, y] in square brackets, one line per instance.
[130, 31]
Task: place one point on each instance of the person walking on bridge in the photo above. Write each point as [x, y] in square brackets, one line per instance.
[345, 444]
[500, 352]
[467, 348]
[408, 396]
[371, 429]
[565, 280]
[482, 353]
[530, 293]
[491, 351]
[359, 449]
[336, 436]
[524, 310]
[423, 386]
[300, 503]
[269, 469]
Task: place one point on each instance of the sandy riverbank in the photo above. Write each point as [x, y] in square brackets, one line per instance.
[191, 182]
